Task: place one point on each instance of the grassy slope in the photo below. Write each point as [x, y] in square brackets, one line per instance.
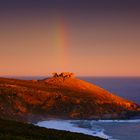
[70, 98]
[12, 130]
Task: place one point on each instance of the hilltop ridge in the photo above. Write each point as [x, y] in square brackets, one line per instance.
[61, 96]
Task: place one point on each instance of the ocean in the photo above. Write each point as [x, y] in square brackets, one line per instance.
[126, 87]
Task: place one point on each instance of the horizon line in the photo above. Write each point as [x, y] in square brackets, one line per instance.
[75, 76]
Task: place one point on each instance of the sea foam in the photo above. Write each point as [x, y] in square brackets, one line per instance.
[70, 125]
[75, 126]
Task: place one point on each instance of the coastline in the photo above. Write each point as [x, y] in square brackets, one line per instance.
[88, 127]
[70, 125]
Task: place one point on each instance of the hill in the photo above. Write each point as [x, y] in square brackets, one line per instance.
[60, 97]
[12, 130]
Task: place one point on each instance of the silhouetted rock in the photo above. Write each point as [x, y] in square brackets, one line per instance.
[63, 74]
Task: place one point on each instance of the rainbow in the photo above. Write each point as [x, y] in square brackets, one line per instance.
[60, 41]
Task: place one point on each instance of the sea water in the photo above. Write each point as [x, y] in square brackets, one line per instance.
[126, 87]
[107, 129]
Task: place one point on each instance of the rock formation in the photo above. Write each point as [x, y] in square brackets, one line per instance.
[63, 74]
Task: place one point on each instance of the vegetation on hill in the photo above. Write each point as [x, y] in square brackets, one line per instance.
[60, 97]
[12, 130]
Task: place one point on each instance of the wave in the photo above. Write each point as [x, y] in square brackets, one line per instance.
[83, 126]
[72, 126]
[118, 121]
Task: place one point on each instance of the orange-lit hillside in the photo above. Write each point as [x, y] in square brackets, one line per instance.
[60, 97]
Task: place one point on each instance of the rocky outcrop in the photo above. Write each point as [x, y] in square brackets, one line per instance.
[63, 74]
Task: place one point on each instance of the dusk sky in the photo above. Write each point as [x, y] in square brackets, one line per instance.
[87, 37]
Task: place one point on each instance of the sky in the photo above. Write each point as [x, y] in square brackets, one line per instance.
[87, 37]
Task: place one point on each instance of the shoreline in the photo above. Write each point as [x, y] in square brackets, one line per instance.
[69, 125]
[79, 126]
